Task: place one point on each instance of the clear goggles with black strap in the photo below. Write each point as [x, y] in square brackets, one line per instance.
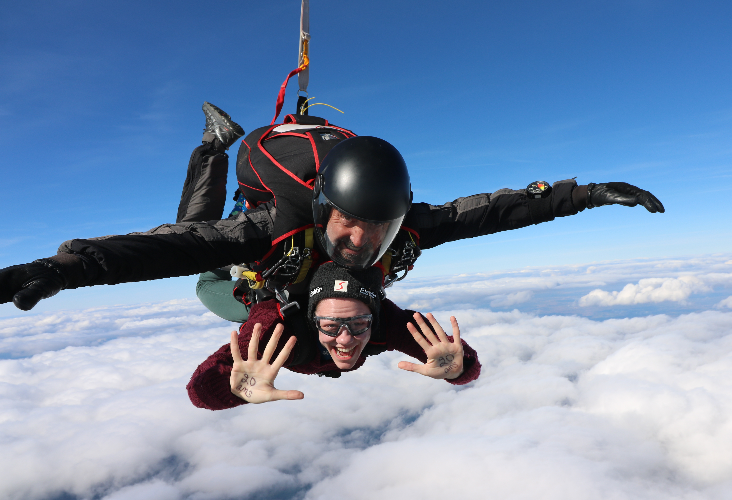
[356, 325]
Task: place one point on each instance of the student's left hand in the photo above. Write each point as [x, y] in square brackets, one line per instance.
[444, 358]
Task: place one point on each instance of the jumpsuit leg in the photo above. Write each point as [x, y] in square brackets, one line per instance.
[203, 199]
[215, 291]
[204, 190]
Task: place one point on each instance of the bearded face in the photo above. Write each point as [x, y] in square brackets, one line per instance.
[355, 241]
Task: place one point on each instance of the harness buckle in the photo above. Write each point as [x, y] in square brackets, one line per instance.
[286, 307]
[288, 266]
[286, 269]
[404, 262]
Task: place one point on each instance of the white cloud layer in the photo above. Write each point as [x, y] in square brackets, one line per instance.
[647, 290]
[562, 288]
[567, 407]
[512, 299]
[30, 334]
[726, 302]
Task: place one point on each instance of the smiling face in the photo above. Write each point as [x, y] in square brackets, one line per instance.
[355, 241]
[345, 349]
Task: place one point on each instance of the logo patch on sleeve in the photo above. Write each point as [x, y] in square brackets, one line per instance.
[340, 286]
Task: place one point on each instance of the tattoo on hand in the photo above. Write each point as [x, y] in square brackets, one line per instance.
[242, 383]
[242, 387]
[446, 360]
[452, 366]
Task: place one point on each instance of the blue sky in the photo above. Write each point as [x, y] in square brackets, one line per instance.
[100, 108]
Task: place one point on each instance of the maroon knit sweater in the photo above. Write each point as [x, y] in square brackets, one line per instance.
[209, 386]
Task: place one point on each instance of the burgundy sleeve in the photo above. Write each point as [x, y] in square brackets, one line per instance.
[209, 386]
[395, 320]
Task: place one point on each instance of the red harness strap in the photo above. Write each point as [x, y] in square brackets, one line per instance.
[281, 95]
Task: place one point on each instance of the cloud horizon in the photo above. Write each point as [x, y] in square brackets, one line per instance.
[568, 406]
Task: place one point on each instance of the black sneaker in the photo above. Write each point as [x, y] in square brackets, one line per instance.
[221, 125]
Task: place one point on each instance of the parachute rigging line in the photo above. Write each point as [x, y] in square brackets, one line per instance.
[305, 108]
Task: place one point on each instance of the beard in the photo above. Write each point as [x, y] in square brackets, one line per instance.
[363, 253]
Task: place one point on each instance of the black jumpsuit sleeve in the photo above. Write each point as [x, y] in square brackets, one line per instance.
[487, 213]
[177, 249]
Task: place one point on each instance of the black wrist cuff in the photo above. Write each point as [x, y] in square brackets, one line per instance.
[590, 187]
[55, 267]
[77, 270]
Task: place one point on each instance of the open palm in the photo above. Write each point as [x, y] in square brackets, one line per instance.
[253, 379]
[444, 358]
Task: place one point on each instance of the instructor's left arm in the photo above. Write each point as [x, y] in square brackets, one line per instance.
[507, 209]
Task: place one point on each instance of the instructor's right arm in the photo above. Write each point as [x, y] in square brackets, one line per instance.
[163, 252]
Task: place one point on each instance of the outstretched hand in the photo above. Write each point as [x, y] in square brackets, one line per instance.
[253, 379]
[27, 284]
[622, 193]
[444, 358]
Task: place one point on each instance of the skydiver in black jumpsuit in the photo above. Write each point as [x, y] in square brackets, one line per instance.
[195, 247]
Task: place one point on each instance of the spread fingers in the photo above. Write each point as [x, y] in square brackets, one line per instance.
[235, 353]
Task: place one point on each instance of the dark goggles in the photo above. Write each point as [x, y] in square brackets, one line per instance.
[356, 325]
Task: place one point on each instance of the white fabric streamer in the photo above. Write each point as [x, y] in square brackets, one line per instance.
[304, 76]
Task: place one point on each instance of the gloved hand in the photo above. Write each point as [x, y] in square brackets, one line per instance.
[27, 284]
[621, 193]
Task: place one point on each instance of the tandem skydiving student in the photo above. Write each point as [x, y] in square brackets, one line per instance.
[346, 322]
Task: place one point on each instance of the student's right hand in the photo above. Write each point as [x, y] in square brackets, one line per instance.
[253, 379]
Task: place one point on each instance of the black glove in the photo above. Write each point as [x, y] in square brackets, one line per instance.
[27, 284]
[621, 193]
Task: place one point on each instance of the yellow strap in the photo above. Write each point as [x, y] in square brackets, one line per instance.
[306, 263]
[251, 277]
[386, 262]
[305, 56]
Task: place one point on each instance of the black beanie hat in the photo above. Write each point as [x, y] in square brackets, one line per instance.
[333, 281]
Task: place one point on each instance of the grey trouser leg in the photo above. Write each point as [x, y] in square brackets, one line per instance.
[215, 290]
[204, 191]
[203, 199]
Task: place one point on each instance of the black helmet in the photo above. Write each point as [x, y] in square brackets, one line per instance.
[366, 179]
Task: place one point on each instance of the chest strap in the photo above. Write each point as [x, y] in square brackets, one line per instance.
[297, 258]
[307, 261]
